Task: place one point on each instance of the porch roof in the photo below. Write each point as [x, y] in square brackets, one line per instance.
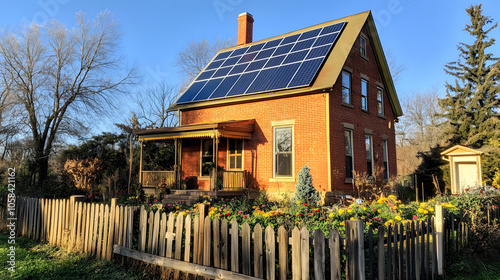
[242, 129]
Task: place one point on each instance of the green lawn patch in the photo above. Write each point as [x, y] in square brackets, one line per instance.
[40, 261]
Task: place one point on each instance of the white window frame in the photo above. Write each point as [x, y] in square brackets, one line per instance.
[380, 101]
[364, 96]
[281, 124]
[228, 160]
[349, 88]
[362, 46]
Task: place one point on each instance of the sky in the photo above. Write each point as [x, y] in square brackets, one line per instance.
[422, 35]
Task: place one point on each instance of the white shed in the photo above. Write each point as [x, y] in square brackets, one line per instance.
[465, 167]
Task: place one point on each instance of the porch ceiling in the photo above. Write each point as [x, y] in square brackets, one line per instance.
[229, 129]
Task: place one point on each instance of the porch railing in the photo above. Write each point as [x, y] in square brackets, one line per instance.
[233, 180]
[152, 179]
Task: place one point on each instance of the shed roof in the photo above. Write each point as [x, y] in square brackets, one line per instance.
[459, 150]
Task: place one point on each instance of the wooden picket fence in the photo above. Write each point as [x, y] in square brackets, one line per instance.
[221, 249]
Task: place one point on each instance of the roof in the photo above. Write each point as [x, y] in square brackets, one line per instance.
[459, 150]
[328, 72]
[241, 129]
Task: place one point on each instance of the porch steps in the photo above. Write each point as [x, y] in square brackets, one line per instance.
[187, 196]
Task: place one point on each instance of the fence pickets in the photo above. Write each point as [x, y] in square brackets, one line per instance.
[414, 250]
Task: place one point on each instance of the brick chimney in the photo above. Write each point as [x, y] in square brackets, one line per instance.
[245, 29]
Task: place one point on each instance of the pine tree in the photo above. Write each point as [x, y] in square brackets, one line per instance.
[305, 191]
[471, 104]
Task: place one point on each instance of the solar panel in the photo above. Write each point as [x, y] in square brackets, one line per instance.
[289, 62]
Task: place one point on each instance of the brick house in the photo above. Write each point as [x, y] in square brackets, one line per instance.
[327, 100]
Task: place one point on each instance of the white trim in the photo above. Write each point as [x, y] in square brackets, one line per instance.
[279, 124]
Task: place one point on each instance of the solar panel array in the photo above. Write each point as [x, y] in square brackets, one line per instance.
[284, 63]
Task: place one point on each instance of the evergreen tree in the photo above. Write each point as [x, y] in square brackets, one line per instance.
[305, 191]
[471, 104]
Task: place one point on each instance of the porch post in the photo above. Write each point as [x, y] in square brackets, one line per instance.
[177, 179]
[140, 166]
[216, 157]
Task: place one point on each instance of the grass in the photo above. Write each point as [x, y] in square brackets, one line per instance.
[40, 261]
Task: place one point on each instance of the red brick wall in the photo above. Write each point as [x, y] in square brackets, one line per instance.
[309, 113]
[360, 119]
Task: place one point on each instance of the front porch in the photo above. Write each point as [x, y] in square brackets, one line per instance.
[207, 157]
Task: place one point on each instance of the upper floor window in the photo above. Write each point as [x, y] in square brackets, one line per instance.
[364, 94]
[283, 151]
[346, 87]
[235, 153]
[380, 101]
[362, 46]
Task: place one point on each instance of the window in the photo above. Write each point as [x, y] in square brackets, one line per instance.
[283, 151]
[386, 159]
[207, 156]
[364, 94]
[346, 87]
[235, 153]
[362, 44]
[369, 155]
[380, 101]
[348, 154]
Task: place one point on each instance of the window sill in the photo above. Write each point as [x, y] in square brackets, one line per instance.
[347, 105]
[364, 57]
[282, 179]
[365, 111]
[382, 117]
[348, 181]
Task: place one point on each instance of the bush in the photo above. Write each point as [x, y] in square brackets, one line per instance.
[305, 189]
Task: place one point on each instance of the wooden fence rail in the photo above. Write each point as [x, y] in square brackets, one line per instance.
[414, 250]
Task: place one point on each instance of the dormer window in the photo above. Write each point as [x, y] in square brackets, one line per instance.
[362, 46]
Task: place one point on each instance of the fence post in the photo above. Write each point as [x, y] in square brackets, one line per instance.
[355, 250]
[72, 214]
[109, 250]
[439, 238]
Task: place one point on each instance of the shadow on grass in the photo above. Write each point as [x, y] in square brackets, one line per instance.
[40, 261]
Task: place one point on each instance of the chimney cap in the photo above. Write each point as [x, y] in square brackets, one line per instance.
[245, 14]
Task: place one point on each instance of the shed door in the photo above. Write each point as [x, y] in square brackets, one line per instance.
[466, 175]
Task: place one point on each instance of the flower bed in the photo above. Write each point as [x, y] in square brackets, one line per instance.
[382, 212]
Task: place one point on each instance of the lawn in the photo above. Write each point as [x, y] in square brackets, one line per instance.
[41, 261]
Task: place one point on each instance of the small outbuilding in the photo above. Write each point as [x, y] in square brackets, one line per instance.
[465, 167]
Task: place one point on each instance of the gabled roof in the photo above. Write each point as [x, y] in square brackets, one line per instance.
[459, 150]
[328, 72]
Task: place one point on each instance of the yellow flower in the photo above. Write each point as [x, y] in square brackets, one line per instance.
[364, 208]
[341, 211]
[298, 202]
[331, 215]
[352, 219]
[349, 211]
[420, 210]
[342, 224]
[394, 207]
[430, 209]
[391, 196]
[398, 218]
[177, 207]
[368, 223]
[426, 212]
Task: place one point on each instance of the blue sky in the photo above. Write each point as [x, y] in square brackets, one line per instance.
[422, 35]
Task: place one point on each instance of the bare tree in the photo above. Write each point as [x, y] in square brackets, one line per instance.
[419, 129]
[129, 129]
[153, 103]
[197, 55]
[395, 68]
[60, 76]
